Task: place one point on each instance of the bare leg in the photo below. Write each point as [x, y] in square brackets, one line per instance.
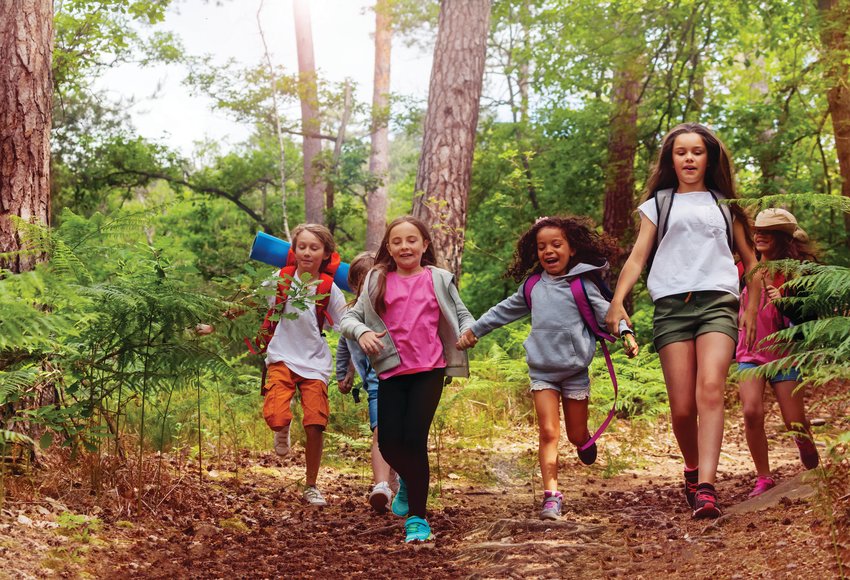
[575, 416]
[752, 393]
[679, 364]
[380, 468]
[315, 439]
[714, 351]
[792, 406]
[548, 408]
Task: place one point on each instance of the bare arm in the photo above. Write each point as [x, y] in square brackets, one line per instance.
[629, 275]
[748, 257]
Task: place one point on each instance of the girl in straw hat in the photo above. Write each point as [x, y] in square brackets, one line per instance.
[777, 237]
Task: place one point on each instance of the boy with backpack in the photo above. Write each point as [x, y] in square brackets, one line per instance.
[297, 355]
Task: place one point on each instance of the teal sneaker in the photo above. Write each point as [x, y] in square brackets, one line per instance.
[400, 507]
[418, 532]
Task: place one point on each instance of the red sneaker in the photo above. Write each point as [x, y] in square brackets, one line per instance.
[705, 502]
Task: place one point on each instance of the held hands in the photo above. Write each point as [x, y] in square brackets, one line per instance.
[346, 383]
[630, 345]
[370, 342]
[466, 340]
[616, 313]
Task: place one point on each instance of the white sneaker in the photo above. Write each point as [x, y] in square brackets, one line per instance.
[313, 496]
[282, 441]
[381, 497]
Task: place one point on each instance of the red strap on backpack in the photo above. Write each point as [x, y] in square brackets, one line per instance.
[586, 311]
[326, 281]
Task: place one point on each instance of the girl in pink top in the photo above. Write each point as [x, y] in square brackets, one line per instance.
[777, 237]
[408, 320]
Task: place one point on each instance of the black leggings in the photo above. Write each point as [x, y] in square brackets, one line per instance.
[406, 407]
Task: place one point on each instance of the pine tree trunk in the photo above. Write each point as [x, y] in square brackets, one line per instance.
[314, 204]
[379, 156]
[622, 148]
[835, 18]
[26, 92]
[445, 165]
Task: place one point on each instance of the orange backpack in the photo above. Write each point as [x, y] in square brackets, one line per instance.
[326, 280]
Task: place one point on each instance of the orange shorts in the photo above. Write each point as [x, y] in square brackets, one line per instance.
[279, 389]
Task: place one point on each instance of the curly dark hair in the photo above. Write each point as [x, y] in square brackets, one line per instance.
[591, 247]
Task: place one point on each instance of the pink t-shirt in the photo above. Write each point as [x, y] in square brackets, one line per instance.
[412, 318]
[769, 320]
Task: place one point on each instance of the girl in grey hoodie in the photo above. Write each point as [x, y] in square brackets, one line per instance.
[560, 346]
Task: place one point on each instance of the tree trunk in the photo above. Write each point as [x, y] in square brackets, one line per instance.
[330, 188]
[622, 148]
[26, 91]
[379, 156]
[835, 20]
[314, 206]
[457, 75]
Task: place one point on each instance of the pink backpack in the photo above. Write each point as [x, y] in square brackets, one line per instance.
[583, 302]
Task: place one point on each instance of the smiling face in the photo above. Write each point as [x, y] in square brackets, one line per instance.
[554, 250]
[766, 244]
[690, 160]
[406, 246]
[310, 252]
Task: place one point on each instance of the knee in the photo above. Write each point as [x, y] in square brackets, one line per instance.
[549, 435]
[682, 416]
[711, 394]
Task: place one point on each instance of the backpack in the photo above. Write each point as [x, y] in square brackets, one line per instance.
[582, 301]
[326, 280]
[664, 203]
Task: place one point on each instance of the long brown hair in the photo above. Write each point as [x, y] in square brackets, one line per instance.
[590, 246]
[384, 262]
[357, 270]
[719, 175]
[791, 247]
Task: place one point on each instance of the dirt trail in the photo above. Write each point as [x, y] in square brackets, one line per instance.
[249, 521]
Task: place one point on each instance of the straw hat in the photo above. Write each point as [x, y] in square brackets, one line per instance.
[778, 219]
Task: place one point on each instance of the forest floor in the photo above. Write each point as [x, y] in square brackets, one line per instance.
[624, 517]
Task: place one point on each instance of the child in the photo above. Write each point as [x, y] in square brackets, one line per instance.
[777, 237]
[297, 356]
[407, 320]
[693, 282]
[560, 347]
[349, 352]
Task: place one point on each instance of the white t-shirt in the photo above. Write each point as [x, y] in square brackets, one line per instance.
[298, 344]
[694, 254]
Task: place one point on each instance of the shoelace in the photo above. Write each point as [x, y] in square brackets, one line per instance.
[551, 504]
[706, 496]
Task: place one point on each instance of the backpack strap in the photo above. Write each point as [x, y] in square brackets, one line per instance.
[727, 217]
[528, 286]
[663, 203]
[583, 302]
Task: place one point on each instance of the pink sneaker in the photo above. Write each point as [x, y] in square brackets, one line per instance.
[763, 483]
[808, 452]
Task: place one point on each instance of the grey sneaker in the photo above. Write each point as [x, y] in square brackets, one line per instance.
[551, 505]
[313, 496]
[282, 441]
[380, 497]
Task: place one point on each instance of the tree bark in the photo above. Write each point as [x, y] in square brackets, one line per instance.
[835, 20]
[445, 164]
[26, 92]
[314, 206]
[622, 148]
[379, 156]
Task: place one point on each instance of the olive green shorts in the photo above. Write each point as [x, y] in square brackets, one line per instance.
[685, 316]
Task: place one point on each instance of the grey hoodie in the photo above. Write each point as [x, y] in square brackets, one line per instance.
[455, 320]
[560, 344]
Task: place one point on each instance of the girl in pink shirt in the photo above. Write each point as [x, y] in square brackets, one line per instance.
[408, 320]
[777, 237]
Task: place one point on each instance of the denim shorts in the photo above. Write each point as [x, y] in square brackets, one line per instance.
[370, 381]
[576, 387]
[792, 374]
[682, 317]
